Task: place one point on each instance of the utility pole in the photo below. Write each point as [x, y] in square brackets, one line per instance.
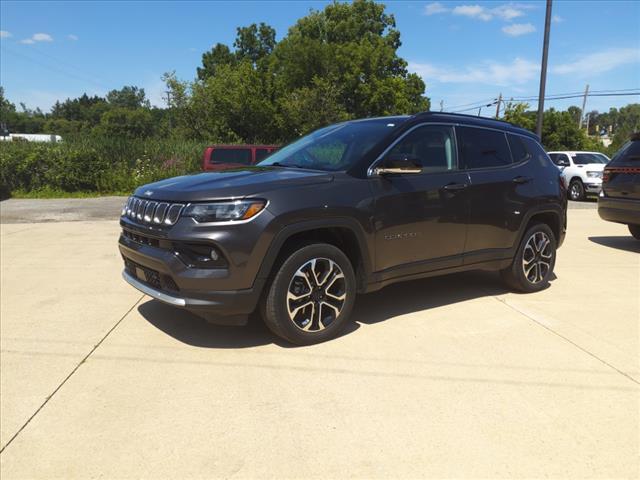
[441, 104]
[588, 118]
[584, 104]
[498, 105]
[479, 111]
[543, 70]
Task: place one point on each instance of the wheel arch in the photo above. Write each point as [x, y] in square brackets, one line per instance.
[343, 233]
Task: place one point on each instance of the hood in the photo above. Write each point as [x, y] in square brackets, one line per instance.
[237, 183]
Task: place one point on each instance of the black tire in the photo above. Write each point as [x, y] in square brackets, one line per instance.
[635, 231]
[576, 190]
[515, 277]
[277, 305]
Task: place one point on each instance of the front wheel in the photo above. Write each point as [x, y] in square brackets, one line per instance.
[534, 261]
[635, 231]
[576, 190]
[311, 295]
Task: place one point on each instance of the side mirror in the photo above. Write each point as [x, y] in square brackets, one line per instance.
[399, 163]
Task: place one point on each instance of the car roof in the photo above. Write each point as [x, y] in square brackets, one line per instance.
[472, 120]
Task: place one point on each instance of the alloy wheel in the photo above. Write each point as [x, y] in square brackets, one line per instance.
[537, 257]
[316, 294]
[576, 191]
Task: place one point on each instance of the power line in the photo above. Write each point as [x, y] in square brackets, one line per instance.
[594, 93]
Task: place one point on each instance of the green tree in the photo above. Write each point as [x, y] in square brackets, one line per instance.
[126, 123]
[254, 42]
[519, 114]
[128, 97]
[220, 54]
[334, 64]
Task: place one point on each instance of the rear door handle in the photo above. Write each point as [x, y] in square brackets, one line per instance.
[454, 187]
[521, 180]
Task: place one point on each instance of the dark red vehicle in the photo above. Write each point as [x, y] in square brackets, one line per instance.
[224, 157]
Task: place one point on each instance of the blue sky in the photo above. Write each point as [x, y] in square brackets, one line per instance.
[467, 52]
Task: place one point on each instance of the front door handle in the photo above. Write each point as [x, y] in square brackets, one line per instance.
[454, 187]
[521, 179]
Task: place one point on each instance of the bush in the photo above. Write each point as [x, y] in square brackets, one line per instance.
[94, 164]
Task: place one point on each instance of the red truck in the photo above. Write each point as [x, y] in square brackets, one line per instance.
[224, 157]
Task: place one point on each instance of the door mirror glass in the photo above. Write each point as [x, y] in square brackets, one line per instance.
[399, 163]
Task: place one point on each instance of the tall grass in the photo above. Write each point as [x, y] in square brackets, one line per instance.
[93, 164]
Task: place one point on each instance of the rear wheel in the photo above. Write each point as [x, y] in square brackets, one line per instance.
[576, 190]
[635, 231]
[534, 261]
[311, 295]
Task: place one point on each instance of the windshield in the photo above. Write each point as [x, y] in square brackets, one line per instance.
[333, 148]
[587, 158]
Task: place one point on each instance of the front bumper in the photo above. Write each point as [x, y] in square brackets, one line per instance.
[593, 187]
[619, 210]
[161, 274]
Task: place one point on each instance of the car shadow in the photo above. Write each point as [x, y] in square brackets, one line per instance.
[420, 295]
[385, 304]
[622, 242]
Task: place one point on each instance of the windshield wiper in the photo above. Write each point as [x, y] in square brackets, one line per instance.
[288, 165]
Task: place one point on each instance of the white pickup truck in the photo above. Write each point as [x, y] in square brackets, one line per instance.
[581, 171]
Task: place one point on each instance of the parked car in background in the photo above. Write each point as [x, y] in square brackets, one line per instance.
[224, 157]
[581, 171]
[619, 200]
[348, 209]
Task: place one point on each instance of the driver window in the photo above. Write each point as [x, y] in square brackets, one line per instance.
[431, 146]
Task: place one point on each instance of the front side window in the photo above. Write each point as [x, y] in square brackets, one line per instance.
[430, 146]
[241, 156]
[482, 148]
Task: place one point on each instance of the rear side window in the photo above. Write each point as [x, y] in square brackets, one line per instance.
[537, 152]
[519, 150]
[262, 153]
[240, 156]
[482, 148]
[629, 154]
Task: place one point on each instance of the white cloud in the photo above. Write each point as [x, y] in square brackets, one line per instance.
[506, 12]
[5, 34]
[557, 19]
[42, 37]
[37, 37]
[73, 37]
[473, 11]
[517, 29]
[434, 8]
[518, 72]
[598, 62]
[509, 12]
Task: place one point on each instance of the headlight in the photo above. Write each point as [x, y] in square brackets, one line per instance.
[224, 211]
[594, 174]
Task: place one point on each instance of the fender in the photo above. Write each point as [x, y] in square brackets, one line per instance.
[332, 222]
[557, 212]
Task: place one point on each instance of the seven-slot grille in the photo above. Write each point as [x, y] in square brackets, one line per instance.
[152, 212]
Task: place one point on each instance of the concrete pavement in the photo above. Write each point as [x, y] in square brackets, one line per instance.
[443, 377]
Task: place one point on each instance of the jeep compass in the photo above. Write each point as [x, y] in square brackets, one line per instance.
[347, 209]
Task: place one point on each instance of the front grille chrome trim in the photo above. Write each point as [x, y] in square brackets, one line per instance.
[152, 212]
